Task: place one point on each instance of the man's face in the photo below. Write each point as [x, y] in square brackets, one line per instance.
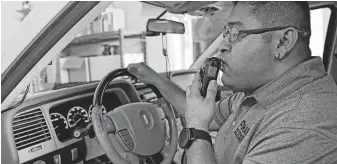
[248, 60]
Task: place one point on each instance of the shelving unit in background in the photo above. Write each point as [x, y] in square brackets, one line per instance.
[78, 62]
[83, 59]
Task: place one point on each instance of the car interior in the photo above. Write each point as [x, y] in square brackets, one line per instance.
[88, 114]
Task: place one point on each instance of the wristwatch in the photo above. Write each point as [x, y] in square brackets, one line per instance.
[188, 135]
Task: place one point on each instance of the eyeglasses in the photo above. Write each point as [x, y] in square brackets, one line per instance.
[234, 33]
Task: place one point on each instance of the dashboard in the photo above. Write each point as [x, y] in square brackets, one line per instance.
[40, 130]
[74, 114]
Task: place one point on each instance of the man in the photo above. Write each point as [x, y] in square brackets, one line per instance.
[284, 109]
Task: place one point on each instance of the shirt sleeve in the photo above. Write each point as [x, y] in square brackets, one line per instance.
[223, 109]
[292, 145]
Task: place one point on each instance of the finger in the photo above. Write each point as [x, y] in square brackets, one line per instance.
[195, 87]
[133, 69]
[133, 65]
[211, 91]
[197, 77]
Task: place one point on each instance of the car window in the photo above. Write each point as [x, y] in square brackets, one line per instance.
[319, 26]
[13, 13]
[18, 30]
[121, 30]
[116, 38]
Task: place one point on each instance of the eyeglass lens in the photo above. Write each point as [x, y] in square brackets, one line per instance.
[232, 34]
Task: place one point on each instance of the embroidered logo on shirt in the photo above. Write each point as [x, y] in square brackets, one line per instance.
[241, 131]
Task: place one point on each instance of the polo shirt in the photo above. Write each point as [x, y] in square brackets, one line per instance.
[291, 119]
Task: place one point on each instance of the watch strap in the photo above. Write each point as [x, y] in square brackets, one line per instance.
[200, 134]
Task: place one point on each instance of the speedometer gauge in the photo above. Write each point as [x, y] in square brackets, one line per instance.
[60, 125]
[77, 116]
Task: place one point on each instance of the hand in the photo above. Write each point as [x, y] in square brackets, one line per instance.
[199, 110]
[143, 72]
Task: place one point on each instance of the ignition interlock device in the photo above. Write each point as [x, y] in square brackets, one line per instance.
[209, 72]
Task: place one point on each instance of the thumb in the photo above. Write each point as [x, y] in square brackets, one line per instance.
[132, 68]
[211, 91]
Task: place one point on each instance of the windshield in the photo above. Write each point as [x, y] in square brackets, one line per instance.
[13, 13]
[117, 38]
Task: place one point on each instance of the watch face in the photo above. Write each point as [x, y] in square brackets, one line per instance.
[184, 137]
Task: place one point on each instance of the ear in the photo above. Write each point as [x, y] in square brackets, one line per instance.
[287, 41]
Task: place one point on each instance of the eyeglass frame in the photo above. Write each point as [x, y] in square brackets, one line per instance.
[258, 31]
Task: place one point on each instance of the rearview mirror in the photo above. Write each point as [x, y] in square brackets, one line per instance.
[165, 26]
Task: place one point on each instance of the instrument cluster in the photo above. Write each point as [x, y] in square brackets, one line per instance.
[70, 115]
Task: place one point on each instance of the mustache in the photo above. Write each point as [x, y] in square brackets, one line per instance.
[217, 55]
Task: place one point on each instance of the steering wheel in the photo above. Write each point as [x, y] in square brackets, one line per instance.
[134, 130]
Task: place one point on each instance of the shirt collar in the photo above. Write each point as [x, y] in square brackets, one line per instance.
[296, 77]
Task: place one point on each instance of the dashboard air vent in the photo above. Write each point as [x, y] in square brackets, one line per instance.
[30, 128]
[175, 112]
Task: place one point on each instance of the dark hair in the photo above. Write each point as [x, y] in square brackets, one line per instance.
[282, 13]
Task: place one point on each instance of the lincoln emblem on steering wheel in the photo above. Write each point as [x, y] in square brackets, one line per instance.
[145, 118]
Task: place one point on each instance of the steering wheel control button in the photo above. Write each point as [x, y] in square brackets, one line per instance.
[128, 141]
[57, 159]
[130, 144]
[74, 154]
[126, 137]
[124, 132]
